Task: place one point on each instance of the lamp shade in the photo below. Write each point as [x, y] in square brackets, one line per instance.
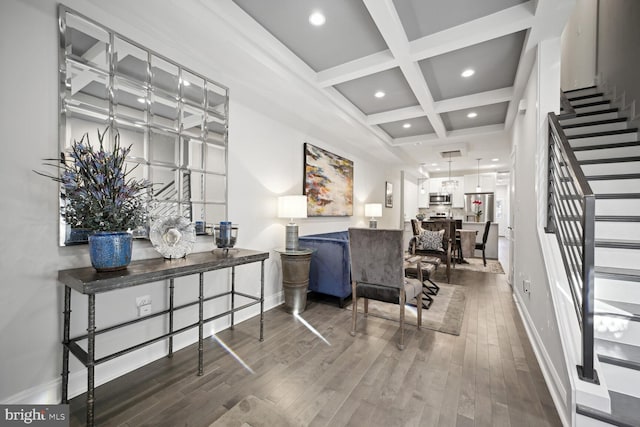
[373, 210]
[292, 206]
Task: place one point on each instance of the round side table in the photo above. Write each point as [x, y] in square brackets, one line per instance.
[295, 278]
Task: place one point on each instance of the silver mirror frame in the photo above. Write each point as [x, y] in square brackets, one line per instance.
[179, 128]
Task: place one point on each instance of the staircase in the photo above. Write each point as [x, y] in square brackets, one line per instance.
[607, 148]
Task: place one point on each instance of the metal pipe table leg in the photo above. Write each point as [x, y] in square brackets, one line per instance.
[170, 318]
[201, 326]
[233, 294]
[262, 300]
[65, 345]
[91, 337]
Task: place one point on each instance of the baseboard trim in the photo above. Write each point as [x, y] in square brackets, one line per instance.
[551, 377]
[49, 392]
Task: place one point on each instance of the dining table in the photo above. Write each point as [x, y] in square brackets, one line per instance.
[466, 242]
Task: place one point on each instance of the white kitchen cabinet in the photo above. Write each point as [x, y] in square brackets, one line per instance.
[435, 185]
[487, 183]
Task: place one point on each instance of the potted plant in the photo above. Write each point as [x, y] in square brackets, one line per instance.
[99, 195]
[478, 212]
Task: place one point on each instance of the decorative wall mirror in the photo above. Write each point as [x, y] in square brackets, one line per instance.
[175, 118]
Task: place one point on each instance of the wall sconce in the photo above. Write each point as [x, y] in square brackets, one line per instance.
[373, 210]
[292, 207]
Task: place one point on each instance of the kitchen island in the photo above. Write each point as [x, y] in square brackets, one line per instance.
[491, 250]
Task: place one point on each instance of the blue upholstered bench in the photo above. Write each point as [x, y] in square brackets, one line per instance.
[330, 272]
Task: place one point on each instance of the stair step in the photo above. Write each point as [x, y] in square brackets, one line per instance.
[614, 166]
[587, 99]
[592, 106]
[620, 309]
[572, 98]
[571, 119]
[613, 177]
[616, 227]
[618, 244]
[609, 160]
[614, 207]
[614, 184]
[617, 284]
[600, 138]
[626, 274]
[618, 196]
[593, 122]
[616, 255]
[619, 150]
[595, 127]
[581, 91]
[618, 354]
[624, 412]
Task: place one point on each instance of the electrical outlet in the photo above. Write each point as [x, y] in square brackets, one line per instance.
[144, 310]
[143, 300]
[526, 286]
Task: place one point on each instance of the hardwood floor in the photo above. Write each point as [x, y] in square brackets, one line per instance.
[487, 376]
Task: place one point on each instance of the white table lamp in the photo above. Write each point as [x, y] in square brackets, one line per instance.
[373, 210]
[292, 207]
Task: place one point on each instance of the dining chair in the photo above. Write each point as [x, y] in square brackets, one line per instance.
[482, 246]
[378, 273]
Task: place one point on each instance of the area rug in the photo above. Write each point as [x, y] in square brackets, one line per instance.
[475, 264]
[445, 314]
[254, 412]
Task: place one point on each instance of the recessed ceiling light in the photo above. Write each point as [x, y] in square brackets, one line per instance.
[317, 19]
[472, 115]
[434, 164]
[495, 160]
[379, 94]
[437, 169]
[468, 72]
[406, 125]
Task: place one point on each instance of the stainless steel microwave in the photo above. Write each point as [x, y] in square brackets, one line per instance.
[439, 199]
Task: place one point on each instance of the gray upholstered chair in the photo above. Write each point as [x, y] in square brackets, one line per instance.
[377, 272]
[445, 251]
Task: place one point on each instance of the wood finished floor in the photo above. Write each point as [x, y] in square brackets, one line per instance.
[487, 376]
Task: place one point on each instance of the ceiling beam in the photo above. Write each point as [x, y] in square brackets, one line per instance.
[508, 21]
[395, 115]
[475, 100]
[357, 68]
[388, 22]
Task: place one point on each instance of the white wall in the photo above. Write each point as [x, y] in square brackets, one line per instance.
[618, 54]
[579, 46]
[266, 136]
[529, 140]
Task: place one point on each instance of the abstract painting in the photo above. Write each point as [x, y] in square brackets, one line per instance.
[328, 183]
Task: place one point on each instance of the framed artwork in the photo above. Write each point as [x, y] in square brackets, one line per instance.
[328, 183]
[388, 194]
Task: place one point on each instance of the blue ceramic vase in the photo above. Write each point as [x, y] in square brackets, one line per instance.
[110, 251]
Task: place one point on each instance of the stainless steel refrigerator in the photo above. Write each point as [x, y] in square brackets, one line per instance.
[486, 206]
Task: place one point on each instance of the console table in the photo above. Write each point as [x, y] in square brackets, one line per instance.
[89, 282]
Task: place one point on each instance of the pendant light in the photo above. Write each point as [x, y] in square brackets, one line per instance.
[449, 185]
[478, 189]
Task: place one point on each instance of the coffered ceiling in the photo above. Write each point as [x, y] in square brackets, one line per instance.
[399, 67]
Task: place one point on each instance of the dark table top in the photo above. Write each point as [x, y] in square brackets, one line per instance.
[87, 280]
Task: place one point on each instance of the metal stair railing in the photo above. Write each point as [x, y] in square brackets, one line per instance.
[571, 216]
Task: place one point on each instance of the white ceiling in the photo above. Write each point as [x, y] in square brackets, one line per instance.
[414, 51]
